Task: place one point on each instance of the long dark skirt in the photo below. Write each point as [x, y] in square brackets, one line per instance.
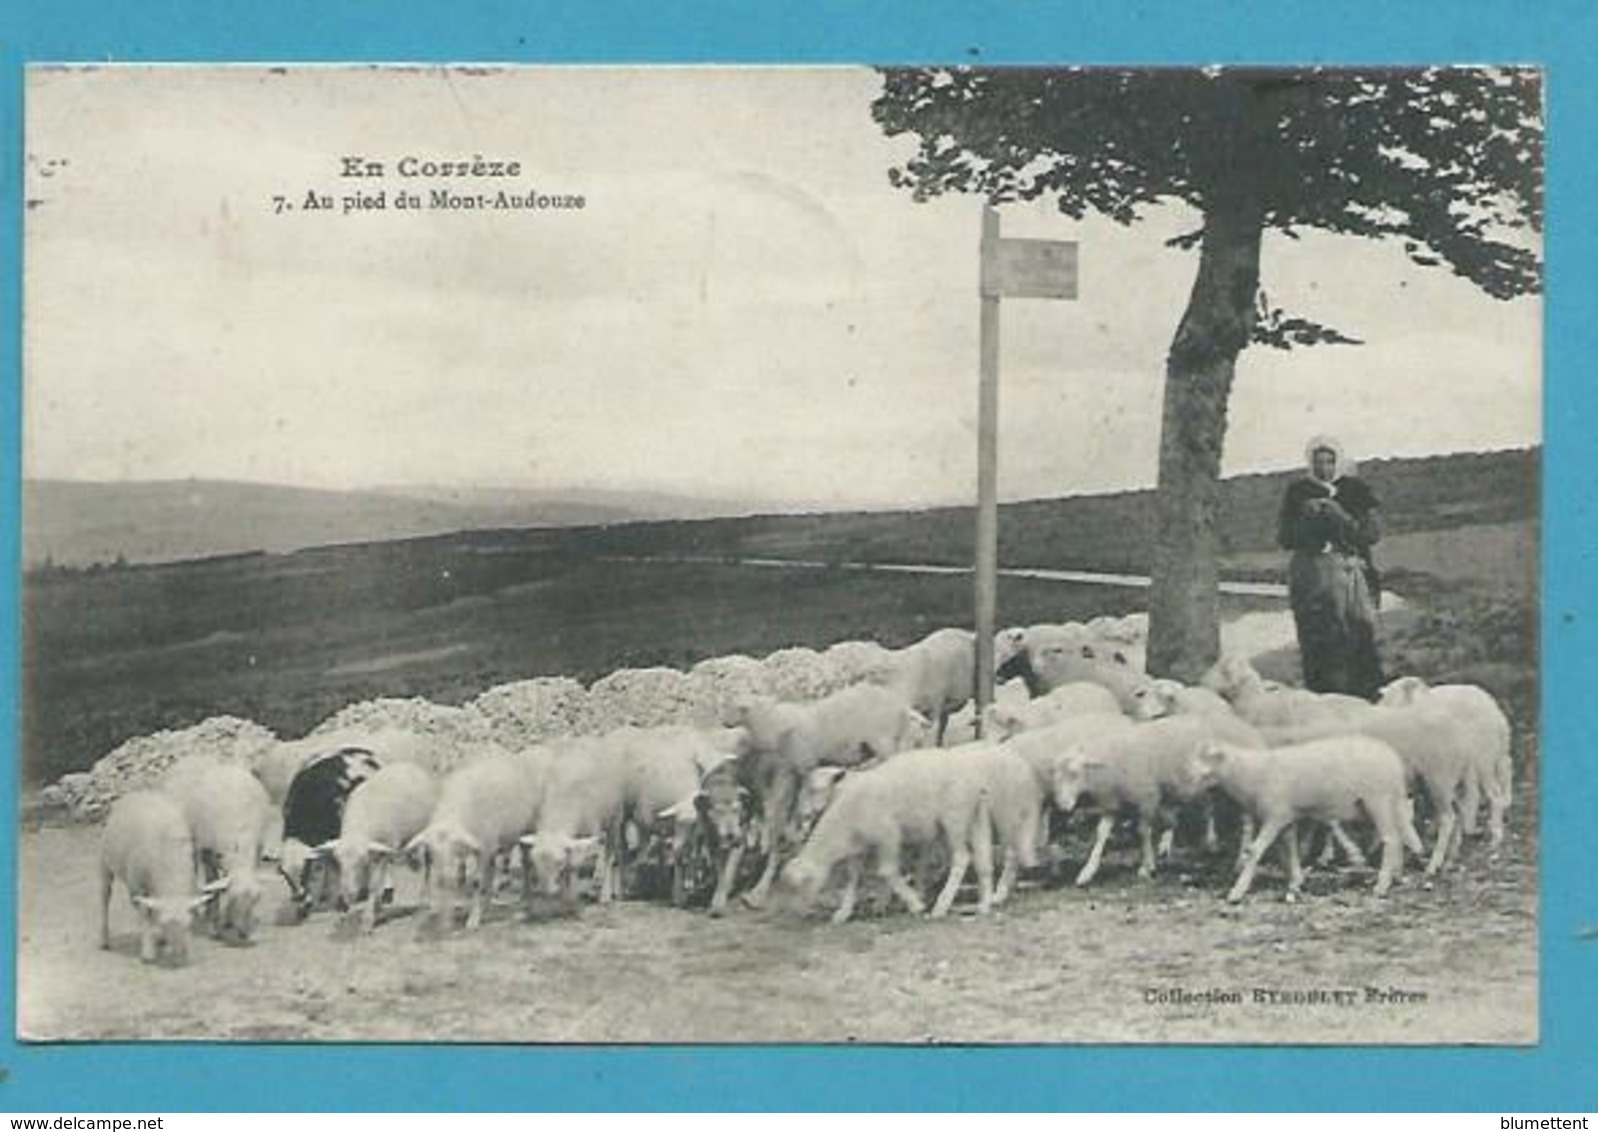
[1336, 621]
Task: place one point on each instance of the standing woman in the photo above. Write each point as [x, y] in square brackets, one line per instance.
[1329, 521]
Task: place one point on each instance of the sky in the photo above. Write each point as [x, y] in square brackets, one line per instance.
[743, 309]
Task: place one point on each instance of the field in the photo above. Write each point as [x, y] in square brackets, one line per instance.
[287, 640]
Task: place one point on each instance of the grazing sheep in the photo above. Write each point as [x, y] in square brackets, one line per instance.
[1333, 780]
[1015, 796]
[1436, 745]
[313, 816]
[1491, 773]
[228, 812]
[665, 769]
[712, 823]
[916, 798]
[147, 846]
[1049, 664]
[1265, 705]
[786, 741]
[1137, 768]
[381, 816]
[936, 675]
[484, 807]
[583, 813]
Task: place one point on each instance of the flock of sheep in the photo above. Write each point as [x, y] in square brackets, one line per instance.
[888, 773]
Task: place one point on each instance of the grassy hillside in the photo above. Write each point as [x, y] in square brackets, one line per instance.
[287, 640]
[1103, 532]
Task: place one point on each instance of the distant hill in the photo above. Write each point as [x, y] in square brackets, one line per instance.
[73, 523]
[79, 524]
[1099, 532]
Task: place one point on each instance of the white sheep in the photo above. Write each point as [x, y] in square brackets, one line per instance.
[1015, 806]
[1137, 768]
[484, 807]
[1160, 698]
[1491, 772]
[1015, 795]
[229, 813]
[1083, 697]
[1266, 705]
[381, 817]
[1172, 697]
[1434, 742]
[918, 797]
[1059, 660]
[937, 675]
[582, 816]
[786, 741]
[1332, 780]
[147, 846]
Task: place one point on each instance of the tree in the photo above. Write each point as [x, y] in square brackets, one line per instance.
[1448, 160]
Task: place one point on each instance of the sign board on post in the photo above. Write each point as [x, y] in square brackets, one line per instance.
[1011, 269]
[1029, 269]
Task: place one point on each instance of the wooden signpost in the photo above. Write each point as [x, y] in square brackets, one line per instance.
[1015, 269]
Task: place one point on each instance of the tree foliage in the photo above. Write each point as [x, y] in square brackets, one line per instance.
[1448, 160]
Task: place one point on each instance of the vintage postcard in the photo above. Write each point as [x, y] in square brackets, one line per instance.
[506, 556]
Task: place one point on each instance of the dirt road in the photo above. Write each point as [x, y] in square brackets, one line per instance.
[1124, 961]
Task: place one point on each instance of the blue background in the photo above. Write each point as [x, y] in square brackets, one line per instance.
[1561, 1074]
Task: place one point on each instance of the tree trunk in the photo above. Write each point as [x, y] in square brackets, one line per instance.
[1184, 606]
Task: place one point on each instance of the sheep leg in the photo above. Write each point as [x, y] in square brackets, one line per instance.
[684, 843]
[724, 883]
[1212, 839]
[959, 865]
[851, 890]
[1495, 820]
[1167, 838]
[1499, 797]
[1295, 865]
[1044, 839]
[888, 869]
[146, 937]
[1245, 835]
[1252, 853]
[524, 854]
[1470, 804]
[1356, 856]
[1100, 836]
[784, 790]
[616, 840]
[480, 897]
[1446, 825]
[1145, 833]
[1328, 854]
[105, 909]
[379, 878]
[1007, 877]
[1392, 861]
[982, 860]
